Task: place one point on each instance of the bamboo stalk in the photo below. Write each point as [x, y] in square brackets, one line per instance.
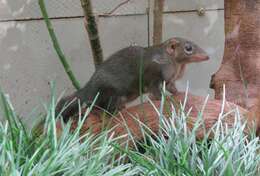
[57, 46]
[157, 21]
[91, 27]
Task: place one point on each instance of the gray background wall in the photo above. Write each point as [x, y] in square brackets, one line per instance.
[28, 61]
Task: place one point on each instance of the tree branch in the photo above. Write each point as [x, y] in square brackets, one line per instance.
[117, 7]
[158, 21]
[91, 27]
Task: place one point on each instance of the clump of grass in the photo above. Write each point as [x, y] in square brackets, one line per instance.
[176, 151]
[23, 153]
[229, 152]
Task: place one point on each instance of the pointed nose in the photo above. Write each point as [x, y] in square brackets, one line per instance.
[199, 58]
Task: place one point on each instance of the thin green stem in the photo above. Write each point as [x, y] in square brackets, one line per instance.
[57, 46]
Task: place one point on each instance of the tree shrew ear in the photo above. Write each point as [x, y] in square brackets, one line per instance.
[170, 50]
[173, 43]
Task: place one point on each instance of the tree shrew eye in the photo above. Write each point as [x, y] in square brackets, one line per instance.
[188, 48]
[172, 46]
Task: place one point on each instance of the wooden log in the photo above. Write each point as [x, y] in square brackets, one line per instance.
[126, 120]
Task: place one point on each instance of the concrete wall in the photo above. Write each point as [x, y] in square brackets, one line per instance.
[28, 61]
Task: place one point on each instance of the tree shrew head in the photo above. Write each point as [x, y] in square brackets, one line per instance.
[184, 51]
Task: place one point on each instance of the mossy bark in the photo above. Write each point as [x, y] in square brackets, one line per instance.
[92, 29]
